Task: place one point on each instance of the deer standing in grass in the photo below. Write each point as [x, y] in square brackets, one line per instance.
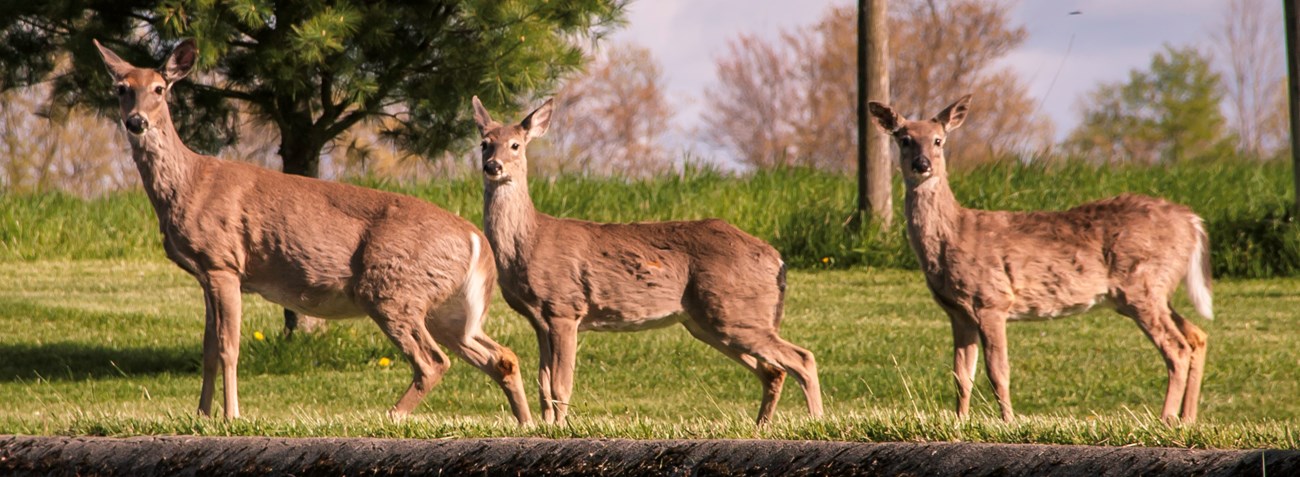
[566, 276]
[985, 268]
[322, 248]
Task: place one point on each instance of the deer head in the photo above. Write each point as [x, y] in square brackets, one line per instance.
[504, 145]
[141, 92]
[920, 143]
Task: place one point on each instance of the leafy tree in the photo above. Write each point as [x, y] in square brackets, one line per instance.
[796, 96]
[610, 119]
[1169, 112]
[310, 68]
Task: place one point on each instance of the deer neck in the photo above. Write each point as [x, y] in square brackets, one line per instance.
[509, 220]
[166, 165]
[932, 219]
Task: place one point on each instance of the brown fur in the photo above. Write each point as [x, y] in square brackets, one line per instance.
[322, 248]
[985, 268]
[567, 275]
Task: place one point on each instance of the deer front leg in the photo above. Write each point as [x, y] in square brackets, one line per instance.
[965, 356]
[221, 341]
[993, 334]
[544, 367]
[211, 363]
[564, 355]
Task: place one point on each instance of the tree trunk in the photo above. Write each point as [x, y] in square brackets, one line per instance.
[300, 157]
[1293, 92]
[874, 165]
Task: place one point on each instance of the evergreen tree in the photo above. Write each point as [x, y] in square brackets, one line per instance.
[310, 68]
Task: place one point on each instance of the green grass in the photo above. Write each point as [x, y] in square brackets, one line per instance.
[801, 212]
[111, 347]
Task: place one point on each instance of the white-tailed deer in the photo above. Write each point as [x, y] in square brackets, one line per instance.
[322, 248]
[565, 276]
[985, 268]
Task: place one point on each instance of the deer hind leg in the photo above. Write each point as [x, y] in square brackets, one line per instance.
[221, 341]
[404, 325]
[965, 357]
[997, 362]
[771, 377]
[1198, 341]
[768, 347]
[1155, 319]
[452, 326]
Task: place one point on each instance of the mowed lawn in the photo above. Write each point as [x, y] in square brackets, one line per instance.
[113, 347]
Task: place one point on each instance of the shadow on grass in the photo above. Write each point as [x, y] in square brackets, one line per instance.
[72, 361]
[84, 355]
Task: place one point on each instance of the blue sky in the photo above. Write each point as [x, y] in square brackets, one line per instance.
[1110, 38]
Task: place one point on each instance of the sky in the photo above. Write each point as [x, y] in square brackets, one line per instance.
[1064, 57]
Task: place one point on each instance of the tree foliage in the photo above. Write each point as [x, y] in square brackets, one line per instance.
[313, 69]
[792, 101]
[610, 119]
[1167, 112]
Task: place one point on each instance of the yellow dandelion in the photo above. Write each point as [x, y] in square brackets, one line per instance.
[826, 260]
[257, 335]
[384, 362]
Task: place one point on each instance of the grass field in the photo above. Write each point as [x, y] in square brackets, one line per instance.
[112, 347]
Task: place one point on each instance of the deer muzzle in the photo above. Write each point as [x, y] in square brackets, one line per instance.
[921, 165]
[136, 123]
[492, 168]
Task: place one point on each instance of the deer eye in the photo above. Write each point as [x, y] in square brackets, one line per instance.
[938, 141]
[121, 90]
[158, 89]
[514, 146]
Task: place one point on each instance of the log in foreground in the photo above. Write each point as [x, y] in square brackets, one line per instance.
[184, 455]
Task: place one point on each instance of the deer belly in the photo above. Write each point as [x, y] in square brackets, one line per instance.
[1048, 311]
[319, 302]
[599, 320]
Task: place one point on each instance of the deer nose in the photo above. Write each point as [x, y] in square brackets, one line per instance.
[136, 123]
[492, 168]
[921, 165]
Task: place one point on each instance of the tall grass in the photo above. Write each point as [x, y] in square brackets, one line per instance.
[800, 211]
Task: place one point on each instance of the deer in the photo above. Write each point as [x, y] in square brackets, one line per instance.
[327, 249]
[985, 268]
[565, 276]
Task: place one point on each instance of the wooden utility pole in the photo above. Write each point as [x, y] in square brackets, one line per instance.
[874, 165]
[1293, 91]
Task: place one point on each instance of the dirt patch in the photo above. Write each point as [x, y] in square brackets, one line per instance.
[181, 455]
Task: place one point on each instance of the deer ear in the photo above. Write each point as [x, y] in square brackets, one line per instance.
[537, 122]
[885, 117]
[181, 61]
[952, 116]
[482, 118]
[117, 68]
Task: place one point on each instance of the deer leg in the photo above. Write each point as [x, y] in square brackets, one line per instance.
[564, 355]
[1157, 324]
[965, 338]
[1197, 339]
[211, 359]
[224, 300]
[407, 330]
[544, 372]
[771, 377]
[993, 334]
[466, 339]
[765, 345]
